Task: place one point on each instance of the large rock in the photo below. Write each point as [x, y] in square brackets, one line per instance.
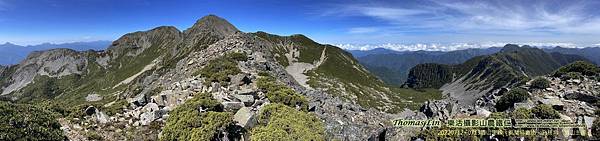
[241, 79]
[483, 112]
[245, 118]
[171, 98]
[232, 105]
[139, 100]
[554, 102]
[215, 87]
[436, 109]
[248, 100]
[582, 97]
[150, 113]
[101, 117]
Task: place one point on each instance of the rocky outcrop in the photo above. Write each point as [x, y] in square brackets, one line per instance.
[52, 63]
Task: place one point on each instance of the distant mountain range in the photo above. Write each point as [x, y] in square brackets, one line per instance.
[393, 66]
[13, 54]
[513, 65]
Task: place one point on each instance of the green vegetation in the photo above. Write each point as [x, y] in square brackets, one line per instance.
[513, 96]
[280, 93]
[218, 70]
[280, 122]
[544, 111]
[582, 67]
[429, 76]
[310, 51]
[116, 107]
[186, 122]
[540, 83]
[522, 113]
[92, 135]
[571, 75]
[28, 122]
[341, 75]
[498, 115]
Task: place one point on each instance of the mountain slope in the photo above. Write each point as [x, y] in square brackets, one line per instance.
[331, 69]
[591, 53]
[393, 68]
[470, 80]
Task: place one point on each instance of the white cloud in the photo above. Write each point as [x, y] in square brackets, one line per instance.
[487, 17]
[450, 46]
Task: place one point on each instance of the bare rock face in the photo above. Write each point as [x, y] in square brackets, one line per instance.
[2, 68]
[52, 63]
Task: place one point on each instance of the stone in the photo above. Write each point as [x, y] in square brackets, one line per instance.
[483, 112]
[190, 62]
[527, 105]
[150, 113]
[245, 118]
[93, 97]
[232, 105]
[589, 121]
[582, 97]
[246, 91]
[139, 100]
[215, 87]
[554, 102]
[101, 117]
[248, 100]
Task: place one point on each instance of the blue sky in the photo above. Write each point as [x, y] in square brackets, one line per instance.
[28, 22]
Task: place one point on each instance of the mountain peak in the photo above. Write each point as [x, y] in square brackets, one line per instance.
[513, 48]
[213, 23]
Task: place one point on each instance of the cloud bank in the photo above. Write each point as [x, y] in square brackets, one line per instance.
[452, 46]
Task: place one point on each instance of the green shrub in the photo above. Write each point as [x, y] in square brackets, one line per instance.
[280, 122]
[571, 75]
[498, 115]
[540, 83]
[582, 67]
[544, 111]
[92, 135]
[237, 56]
[218, 70]
[522, 113]
[186, 122]
[513, 96]
[28, 122]
[279, 93]
[116, 107]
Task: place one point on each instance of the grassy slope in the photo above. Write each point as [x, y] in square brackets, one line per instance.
[342, 75]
